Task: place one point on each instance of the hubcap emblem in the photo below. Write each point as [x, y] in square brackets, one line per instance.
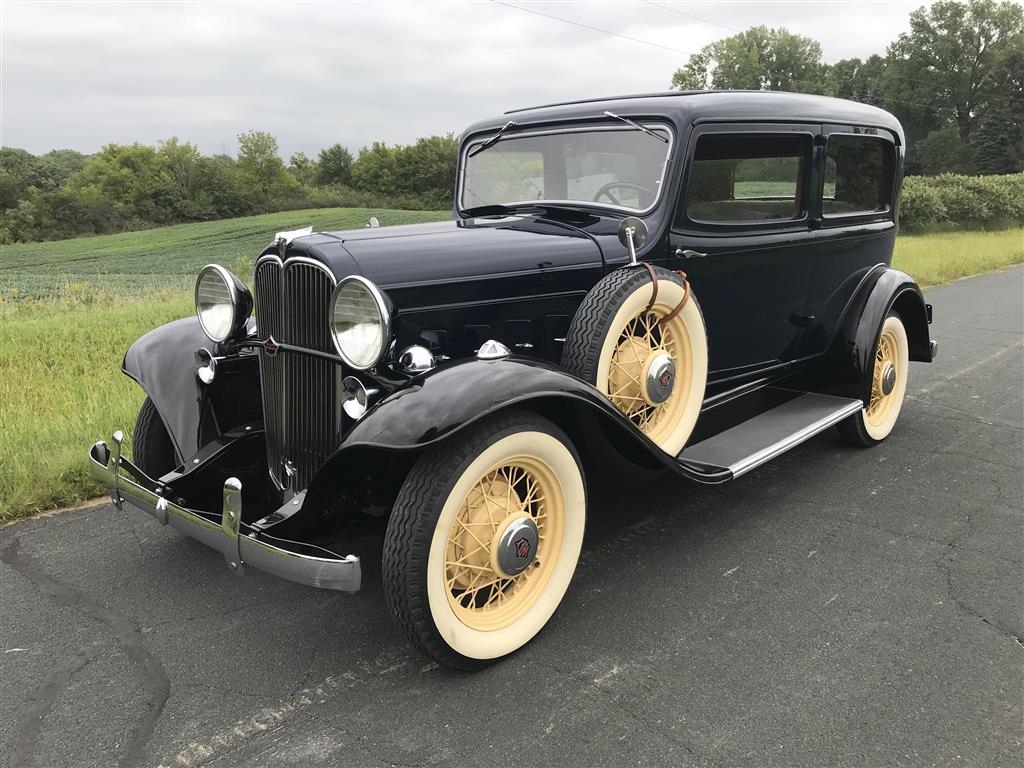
[661, 377]
[888, 379]
[516, 548]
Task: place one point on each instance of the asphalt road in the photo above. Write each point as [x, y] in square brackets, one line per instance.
[835, 607]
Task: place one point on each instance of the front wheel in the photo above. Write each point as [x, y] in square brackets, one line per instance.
[484, 539]
[888, 388]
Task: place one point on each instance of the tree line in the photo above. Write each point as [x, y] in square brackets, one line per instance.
[65, 193]
[955, 81]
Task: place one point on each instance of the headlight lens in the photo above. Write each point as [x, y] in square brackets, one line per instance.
[359, 322]
[222, 302]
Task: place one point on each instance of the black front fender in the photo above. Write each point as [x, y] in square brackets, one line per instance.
[162, 362]
[439, 404]
[851, 355]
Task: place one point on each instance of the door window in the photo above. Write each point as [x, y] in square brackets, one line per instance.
[858, 175]
[744, 178]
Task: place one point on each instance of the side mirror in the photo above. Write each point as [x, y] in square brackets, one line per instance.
[633, 235]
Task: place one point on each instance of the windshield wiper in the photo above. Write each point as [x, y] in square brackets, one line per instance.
[495, 138]
[639, 127]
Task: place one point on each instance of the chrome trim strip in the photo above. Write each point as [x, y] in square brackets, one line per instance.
[321, 568]
[768, 453]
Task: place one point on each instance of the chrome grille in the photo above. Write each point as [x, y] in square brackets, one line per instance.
[301, 408]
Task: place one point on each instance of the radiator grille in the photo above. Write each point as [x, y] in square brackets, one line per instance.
[301, 408]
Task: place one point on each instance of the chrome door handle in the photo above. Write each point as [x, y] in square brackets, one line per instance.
[686, 253]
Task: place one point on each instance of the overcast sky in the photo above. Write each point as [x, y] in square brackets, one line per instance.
[84, 74]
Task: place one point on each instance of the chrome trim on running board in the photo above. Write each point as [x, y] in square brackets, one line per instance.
[240, 544]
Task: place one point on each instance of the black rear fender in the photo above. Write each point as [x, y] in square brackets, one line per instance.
[849, 362]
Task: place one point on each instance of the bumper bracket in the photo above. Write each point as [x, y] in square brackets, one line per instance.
[240, 544]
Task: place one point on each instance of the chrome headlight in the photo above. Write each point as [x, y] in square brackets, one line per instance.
[360, 322]
[223, 303]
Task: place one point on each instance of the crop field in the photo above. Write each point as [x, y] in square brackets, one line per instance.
[139, 263]
[68, 311]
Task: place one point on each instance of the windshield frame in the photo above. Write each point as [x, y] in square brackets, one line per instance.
[655, 124]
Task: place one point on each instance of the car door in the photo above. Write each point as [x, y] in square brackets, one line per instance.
[743, 233]
[857, 229]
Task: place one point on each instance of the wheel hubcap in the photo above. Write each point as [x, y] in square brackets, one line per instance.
[888, 379]
[660, 378]
[516, 547]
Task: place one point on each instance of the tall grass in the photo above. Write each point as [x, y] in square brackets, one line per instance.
[940, 258]
[61, 387]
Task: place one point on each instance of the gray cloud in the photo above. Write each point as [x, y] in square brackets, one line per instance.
[84, 74]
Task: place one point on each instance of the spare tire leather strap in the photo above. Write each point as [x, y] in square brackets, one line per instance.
[654, 285]
[654, 294]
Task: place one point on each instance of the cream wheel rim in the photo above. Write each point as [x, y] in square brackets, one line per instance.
[644, 337]
[480, 594]
[887, 357]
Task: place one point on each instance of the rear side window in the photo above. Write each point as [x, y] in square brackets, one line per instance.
[744, 178]
[858, 175]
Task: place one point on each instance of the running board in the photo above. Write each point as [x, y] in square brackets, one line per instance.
[751, 443]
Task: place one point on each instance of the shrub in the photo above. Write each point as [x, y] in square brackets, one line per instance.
[950, 201]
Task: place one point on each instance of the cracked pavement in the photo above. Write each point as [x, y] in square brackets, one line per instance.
[834, 607]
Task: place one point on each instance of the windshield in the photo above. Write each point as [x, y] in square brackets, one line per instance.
[615, 167]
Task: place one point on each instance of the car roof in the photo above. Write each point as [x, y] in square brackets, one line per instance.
[688, 107]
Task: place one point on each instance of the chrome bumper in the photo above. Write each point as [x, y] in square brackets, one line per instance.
[241, 547]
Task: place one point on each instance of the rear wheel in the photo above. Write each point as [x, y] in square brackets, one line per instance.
[484, 539]
[152, 449]
[888, 388]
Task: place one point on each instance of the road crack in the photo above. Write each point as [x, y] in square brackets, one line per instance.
[127, 637]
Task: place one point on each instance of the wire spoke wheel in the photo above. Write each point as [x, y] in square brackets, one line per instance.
[888, 387]
[645, 339]
[484, 538]
[886, 359]
[480, 593]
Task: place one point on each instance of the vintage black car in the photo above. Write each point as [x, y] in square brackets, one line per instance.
[700, 281]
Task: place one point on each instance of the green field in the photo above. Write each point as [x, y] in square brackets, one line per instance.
[68, 311]
[138, 263]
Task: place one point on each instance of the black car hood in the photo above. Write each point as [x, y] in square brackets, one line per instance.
[442, 252]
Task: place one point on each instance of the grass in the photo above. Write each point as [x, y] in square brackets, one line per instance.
[934, 259]
[80, 303]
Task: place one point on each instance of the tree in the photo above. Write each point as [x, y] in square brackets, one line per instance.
[260, 166]
[183, 161]
[335, 165]
[303, 169]
[758, 59]
[376, 169]
[862, 81]
[17, 173]
[428, 167]
[949, 57]
[1000, 136]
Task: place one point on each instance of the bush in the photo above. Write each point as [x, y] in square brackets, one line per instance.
[950, 201]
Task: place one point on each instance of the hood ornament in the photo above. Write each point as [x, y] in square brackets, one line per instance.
[281, 239]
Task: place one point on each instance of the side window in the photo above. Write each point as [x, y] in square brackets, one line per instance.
[745, 178]
[858, 175]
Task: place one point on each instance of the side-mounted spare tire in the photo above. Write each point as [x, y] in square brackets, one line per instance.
[632, 342]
